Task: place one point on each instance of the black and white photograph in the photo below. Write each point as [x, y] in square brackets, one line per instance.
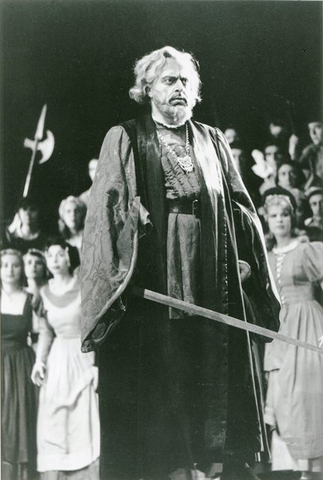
[161, 239]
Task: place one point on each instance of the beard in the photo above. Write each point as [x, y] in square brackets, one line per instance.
[174, 114]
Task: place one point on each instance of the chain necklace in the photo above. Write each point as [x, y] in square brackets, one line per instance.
[185, 162]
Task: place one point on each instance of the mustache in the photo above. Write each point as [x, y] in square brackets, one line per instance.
[178, 96]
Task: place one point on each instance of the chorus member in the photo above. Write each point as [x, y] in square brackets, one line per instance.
[273, 153]
[311, 159]
[231, 134]
[68, 421]
[290, 176]
[279, 134]
[295, 387]
[176, 391]
[36, 274]
[272, 156]
[72, 213]
[243, 164]
[24, 232]
[314, 224]
[18, 394]
[93, 163]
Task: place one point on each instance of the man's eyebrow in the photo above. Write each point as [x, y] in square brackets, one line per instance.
[174, 76]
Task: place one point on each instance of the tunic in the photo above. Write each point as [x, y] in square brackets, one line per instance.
[18, 396]
[295, 391]
[183, 256]
[68, 421]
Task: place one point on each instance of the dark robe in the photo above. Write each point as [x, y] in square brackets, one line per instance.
[174, 393]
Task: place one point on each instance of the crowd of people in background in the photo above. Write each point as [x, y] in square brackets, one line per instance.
[50, 420]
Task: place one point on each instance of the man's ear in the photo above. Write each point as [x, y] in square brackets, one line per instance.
[148, 90]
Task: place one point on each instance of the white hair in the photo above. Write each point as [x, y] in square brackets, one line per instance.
[148, 68]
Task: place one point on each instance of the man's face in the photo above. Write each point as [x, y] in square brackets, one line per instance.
[172, 94]
[231, 135]
[28, 216]
[316, 204]
[272, 155]
[275, 130]
[287, 176]
[316, 133]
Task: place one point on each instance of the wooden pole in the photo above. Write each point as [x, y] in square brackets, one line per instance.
[220, 317]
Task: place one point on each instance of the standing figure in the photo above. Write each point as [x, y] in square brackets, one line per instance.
[36, 276]
[93, 163]
[314, 224]
[231, 134]
[24, 232]
[294, 406]
[243, 163]
[311, 159]
[168, 211]
[72, 213]
[68, 420]
[18, 394]
[267, 164]
[35, 271]
[290, 176]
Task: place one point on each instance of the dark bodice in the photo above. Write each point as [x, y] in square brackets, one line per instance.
[15, 328]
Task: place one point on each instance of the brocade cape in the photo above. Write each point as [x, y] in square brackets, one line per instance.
[117, 216]
[173, 393]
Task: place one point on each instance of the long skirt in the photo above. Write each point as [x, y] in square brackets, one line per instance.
[68, 432]
[294, 404]
[18, 416]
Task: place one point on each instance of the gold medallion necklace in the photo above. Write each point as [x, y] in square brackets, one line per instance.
[185, 162]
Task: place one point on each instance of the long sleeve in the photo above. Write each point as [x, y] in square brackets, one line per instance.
[313, 261]
[46, 337]
[110, 231]
[260, 289]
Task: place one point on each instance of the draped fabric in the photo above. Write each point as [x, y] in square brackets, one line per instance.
[173, 393]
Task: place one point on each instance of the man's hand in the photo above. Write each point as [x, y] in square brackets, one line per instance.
[245, 270]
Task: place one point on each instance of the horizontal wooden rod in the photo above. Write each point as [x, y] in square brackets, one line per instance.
[219, 317]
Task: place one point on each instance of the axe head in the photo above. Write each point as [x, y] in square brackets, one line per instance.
[46, 147]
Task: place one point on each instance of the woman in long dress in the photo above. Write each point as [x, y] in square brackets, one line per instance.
[68, 420]
[18, 394]
[294, 406]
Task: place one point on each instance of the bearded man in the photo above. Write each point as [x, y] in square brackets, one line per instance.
[168, 211]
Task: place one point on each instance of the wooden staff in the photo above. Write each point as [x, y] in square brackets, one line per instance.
[38, 136]
[220, 317]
